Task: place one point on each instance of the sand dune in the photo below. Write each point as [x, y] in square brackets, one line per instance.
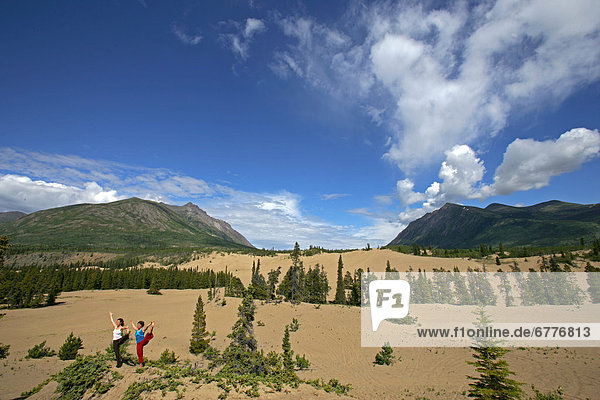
[329, 336]
[376, 260]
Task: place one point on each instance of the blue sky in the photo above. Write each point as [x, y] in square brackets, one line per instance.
[327, 123]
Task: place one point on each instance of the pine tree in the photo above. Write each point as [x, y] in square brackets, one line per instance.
[593, 280]
[4, 350]
[324, 285]
[493, 382]
[200, 337]
[596, 247]
[258, 286]
[69, 349]
[292, 284]
[273, 279]
[241, 357]
[288, 353]
[295, 256]
[4, 246]
[483, 250]
[505, 288]
[385, 356]
[340, 292]
[51, 299]
[154, 288]
[416, 249]
[242, 332]
[348, 280]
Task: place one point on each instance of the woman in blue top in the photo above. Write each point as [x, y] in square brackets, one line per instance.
[142, 338]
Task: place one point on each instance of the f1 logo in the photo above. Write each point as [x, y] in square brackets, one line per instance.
[389, 299]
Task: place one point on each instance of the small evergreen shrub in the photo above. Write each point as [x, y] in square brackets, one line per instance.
[295, 325]
[555, 395]
[69, 349]
[385, 356]
[408, 320]
[302, 362]
[84, 374]
[167, 357]
[273, 360]
[40, 351]
[36, 389]
[332, 386]
[4, 350]
[211, 353]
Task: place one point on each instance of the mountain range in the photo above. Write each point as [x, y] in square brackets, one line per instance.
[130, 223]
[551, 223]
[137, 223]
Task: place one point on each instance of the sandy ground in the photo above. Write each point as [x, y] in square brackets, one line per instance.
[376, 260]
[329, 336]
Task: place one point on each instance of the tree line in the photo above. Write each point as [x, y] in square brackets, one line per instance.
[484, 250]
[36, 287]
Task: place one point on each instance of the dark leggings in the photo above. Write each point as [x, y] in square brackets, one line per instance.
[117, 348]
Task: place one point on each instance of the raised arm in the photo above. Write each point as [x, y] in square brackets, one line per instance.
[111, 319]
[133, 325]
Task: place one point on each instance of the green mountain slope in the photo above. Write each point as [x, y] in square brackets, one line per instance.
[551, 223]
[10, 216]
[130, 223]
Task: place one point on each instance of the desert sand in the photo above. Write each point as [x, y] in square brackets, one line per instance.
[329, 336]
[376, 260]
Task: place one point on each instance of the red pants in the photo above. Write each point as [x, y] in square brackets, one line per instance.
[140, 346]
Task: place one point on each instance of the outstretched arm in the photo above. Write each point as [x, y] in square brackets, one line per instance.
[111, 319]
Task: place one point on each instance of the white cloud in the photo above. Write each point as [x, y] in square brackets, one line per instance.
[445, 77]
[284, 64]
[460, 174]
[384, 199]
[151, 183]
[529, 164]
[380, 232]
[324, 56]
[404, 189]
[461, 177]
[185, 37]
[253, 26]
[334, 196]
[239, 42]
[24, 194]
[410, 214]
[361, 211]
[375, 113]
[277, 220]
[35, 181]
